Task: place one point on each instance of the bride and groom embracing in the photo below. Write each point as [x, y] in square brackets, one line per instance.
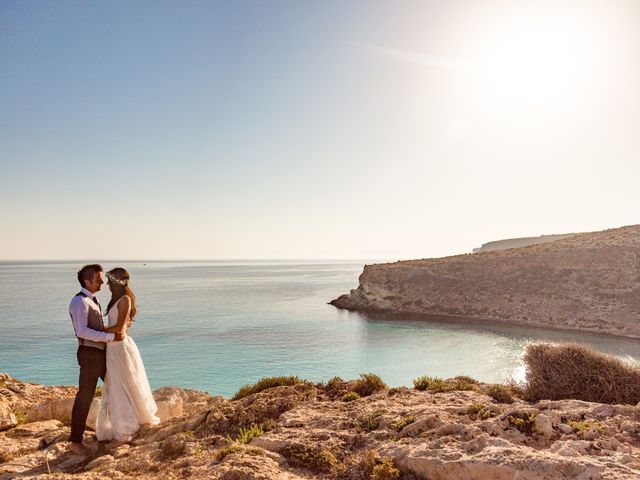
[110, 354]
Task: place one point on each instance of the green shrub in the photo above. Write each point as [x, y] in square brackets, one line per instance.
[500, 393]
[247, 434]
[350, 397]
[228, 450]
[438, 385]
[335, 382]
[485, 413]
[21, 417]
[398, 425]
[264, 384]
[368, 384]
[422, 383]
[523, 421]
[370, 422]
[586, 425]
[475, 408]
[385, 470]
[311, 457]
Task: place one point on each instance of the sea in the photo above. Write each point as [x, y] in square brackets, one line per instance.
[218, 325]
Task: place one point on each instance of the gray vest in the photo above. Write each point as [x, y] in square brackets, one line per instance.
[94, 322]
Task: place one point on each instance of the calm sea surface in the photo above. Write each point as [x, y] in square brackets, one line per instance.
[218, 325]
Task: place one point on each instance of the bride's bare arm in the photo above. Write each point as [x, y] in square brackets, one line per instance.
[124, 306]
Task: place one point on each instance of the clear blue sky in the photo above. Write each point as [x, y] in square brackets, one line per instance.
[312, 129]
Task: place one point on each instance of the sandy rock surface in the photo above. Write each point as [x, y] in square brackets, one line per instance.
[309, 432]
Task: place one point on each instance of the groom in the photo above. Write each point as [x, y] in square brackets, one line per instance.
[86, 316]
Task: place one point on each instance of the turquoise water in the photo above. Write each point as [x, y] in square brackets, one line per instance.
[218, 325]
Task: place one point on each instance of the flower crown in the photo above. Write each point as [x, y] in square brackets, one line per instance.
[113, 279]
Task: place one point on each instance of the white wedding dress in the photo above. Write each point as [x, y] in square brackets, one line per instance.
[127, 402]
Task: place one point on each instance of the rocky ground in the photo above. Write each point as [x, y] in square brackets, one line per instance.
[586, 282]
[313, 431]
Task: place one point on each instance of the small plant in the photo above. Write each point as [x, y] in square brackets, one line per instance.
[21, 417]
[370, 422]
[311, 458]
[98, 392]
[398, 425]
[485, 413]
[255, 451]
[524, 422]
[269, 424]
[248, 434]
[422, 383]
[466, 379]
[475, 409]
[228, 451]
[438, 385]
[335, 382]
[500, 393]
[586, 425]
[395, 391]
[264, 384]
[350, 396]
[385, 470]
[369, 383]
[188, 434]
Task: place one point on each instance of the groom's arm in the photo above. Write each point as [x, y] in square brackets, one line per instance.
[79, 310]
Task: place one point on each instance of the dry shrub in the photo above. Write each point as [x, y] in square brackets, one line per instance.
[500, 393]
[572, 370]
[264, 384]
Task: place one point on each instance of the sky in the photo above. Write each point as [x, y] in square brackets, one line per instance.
[298, 129]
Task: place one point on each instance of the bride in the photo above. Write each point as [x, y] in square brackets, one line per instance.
[127, 401]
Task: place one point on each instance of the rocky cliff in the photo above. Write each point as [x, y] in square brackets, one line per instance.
[587, 282]
[519, 242]
[460, 430]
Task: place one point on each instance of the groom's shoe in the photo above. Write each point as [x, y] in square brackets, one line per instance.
[79, 449]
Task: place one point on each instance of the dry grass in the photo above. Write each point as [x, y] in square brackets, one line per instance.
[572, 370]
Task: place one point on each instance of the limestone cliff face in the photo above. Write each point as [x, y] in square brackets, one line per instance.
[588, 282]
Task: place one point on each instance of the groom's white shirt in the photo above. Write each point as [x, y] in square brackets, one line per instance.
[79, 310]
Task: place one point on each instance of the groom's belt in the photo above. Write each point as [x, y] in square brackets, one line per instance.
[83, 342]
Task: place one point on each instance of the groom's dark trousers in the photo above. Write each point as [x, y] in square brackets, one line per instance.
[93, 365]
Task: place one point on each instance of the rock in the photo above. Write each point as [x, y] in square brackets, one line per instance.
[35, 428]
[544, 424]
[173, 446]
[628, 426]
[100, 463]
[566, 429]
[7, 418]
[61, 409]
[169, 403]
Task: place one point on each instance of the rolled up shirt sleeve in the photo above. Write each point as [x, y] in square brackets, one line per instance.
[79, 310]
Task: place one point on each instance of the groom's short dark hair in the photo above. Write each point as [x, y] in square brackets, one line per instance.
[87, 272]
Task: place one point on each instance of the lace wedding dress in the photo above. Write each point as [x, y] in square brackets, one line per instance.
[127, 401]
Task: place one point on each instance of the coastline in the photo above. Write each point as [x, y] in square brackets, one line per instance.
[586, 282]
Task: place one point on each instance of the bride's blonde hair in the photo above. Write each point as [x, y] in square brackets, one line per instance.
[118, 278]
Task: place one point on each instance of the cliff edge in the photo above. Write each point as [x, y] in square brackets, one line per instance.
[588, 282]
[457, 431]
